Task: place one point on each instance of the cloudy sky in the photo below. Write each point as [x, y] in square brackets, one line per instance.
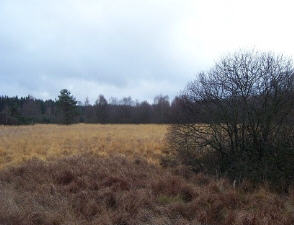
[138, 48]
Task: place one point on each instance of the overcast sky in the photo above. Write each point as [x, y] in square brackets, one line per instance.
[138, 48]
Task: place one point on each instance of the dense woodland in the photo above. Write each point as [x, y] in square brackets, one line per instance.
[29, 110]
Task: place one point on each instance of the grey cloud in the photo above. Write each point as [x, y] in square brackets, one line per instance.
[121, 47]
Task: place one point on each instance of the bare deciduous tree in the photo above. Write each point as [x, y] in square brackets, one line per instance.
[246, 102]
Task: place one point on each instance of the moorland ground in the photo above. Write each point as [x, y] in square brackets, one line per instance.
[20, 143]
[110, 174]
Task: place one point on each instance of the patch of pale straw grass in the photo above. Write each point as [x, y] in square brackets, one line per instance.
[20, 143]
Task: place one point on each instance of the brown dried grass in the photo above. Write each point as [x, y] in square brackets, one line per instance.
[90, 185]
[90, 189]
[20, 143]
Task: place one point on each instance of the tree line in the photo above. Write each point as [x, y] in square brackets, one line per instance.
[67, 110]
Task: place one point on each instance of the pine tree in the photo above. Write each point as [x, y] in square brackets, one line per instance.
[67, 103]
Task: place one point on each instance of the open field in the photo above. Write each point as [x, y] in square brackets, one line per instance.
[110, 175]
[20, 143]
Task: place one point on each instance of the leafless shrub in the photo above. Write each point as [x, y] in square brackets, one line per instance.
[246, 102]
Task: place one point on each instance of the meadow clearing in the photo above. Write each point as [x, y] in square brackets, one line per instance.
[20, 143]
[110, 175]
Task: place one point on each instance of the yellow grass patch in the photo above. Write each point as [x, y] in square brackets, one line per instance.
[20, 143]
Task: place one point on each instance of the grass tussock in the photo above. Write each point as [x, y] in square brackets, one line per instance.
[90, 189]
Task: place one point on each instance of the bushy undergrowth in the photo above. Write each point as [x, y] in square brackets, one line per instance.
[115, 191]
[274, 166]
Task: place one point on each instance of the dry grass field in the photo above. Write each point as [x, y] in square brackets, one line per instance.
[110, 175]
[20, 143]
